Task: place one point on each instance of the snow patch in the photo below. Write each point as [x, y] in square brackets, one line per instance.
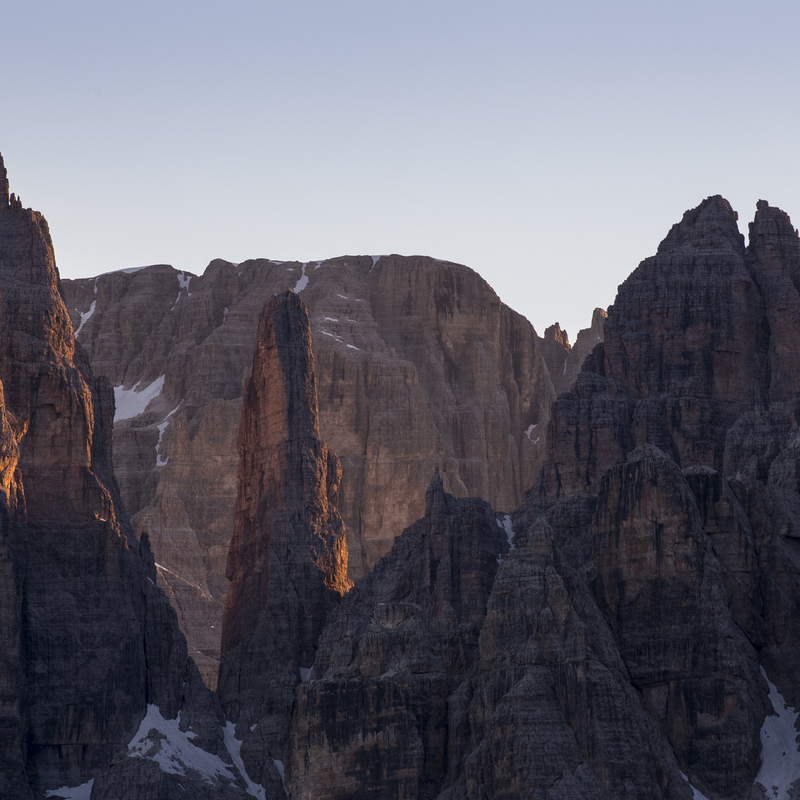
[531, 429]
[341, 341]
[183, 282]
[700, 469]
[330, 319]
[173, 750]
[282, 773]
[82, 792]
[162, 462]
[131, 270]
[234, 747]
[505, 525]
[303, 282]
[696, 793]
[225, 314]
[320, 263]
[343, 296]
[375, 260]
[780, 759]
[304, 673]
[510, 533]
[130, 403]
[85, 315]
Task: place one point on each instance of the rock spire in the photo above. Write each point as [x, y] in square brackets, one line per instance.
[3, 184]
[288, 558]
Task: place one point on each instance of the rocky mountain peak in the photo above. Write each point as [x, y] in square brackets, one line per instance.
[558, 336]
[599, 317]
[709, 226]
[3, 184]
[771, 229]
[435, 501]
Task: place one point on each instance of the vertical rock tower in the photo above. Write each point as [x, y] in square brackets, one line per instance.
[288, 559]
[3, 185]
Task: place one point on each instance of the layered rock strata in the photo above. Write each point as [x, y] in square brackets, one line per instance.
[564, 361]
[696, 363]
[89, 642]
[639, 638]
[475, 663]
[418, 363]
[288, 558]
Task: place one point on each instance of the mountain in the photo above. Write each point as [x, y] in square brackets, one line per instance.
[417, 363]
[563, 360]
[288, 557]
[97, 691]
[635, 634]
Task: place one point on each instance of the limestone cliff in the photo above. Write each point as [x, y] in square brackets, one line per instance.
[90, 646]
[696, 363]
[418, 363]
[288, 558]
[563, 360]
[638, 637]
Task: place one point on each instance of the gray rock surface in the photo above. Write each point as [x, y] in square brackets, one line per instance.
[88, 641]
[288, 557]
[652, 584]
[564, 361]
[418, 363]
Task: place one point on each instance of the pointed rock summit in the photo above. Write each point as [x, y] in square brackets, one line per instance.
[3, 184]
[288, 558]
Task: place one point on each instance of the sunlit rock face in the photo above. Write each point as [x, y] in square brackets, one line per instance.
[418, 363]
[88, 640]
[288, 558]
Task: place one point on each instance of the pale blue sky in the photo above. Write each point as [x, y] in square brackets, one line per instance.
[549, 146]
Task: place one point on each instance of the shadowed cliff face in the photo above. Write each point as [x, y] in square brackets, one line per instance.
[654, 572]
[696, 566]
[288, 557]
[87, 641]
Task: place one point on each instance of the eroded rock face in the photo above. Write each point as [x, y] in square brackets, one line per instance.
[621, 642]
[471, 665]
[88, 641]
[695, 363]
[565, 361]
[417, 362]
[288, 558]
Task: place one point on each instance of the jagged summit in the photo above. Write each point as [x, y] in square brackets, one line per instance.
[3, 184]
[709, 226]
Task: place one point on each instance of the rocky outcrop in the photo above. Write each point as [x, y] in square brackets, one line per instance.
[288, 559]
[475, 663]
[418, 363]
[642, 627]
[563, 360]
[88, 641]
[695, 363]
[372, 721]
